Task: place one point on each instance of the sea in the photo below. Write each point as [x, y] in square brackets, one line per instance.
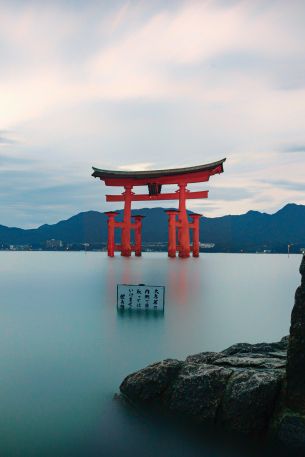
[65, 348]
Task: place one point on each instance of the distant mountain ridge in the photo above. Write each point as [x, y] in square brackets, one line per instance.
[250, 232]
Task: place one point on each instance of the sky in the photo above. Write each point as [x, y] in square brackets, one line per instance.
[148, 85]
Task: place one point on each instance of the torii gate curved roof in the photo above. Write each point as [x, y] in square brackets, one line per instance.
[198, 173]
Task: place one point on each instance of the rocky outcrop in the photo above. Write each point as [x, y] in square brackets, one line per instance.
[296, 350]
[148, 385]
[290, 421]
[255, 389]
[235, 389]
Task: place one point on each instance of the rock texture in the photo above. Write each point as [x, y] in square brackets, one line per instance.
[148, 385]
[290, 421]
[255, 389]
[296, 350]
[235, 389]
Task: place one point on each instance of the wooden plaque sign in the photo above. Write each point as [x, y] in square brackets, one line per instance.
[140, 297]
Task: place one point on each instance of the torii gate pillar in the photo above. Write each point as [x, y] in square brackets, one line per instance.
[111, 226]
[183, 231]
[126, 246]
[172, 225]
[138, 235]
[195, 226]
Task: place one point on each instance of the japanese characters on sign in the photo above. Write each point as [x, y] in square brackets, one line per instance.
[140, 297]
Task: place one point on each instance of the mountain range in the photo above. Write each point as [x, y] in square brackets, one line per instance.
[249, 232]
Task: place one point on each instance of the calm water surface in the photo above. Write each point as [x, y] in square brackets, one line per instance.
[64, 348]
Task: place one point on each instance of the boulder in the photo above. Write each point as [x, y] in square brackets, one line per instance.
[203, 357]
[291, 431]
[236, 388]
[149, 384]
[250, 361]
[296, 350]
[198, 390]
[260, 348]
[249, 400]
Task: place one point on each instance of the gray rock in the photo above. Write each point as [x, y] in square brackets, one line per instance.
[203, 357]
[198, 390]
[291, 431]
[149, 384]
[296, 350]
[214, 387]
[278, 355]
[246, 361]
[260, 348]
[285, 340]
[249, 400]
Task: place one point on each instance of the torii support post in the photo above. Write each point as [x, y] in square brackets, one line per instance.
[183, 232]
[138, 235]
[195, 226]
[111, 226]
[126, 246]
[172, 225]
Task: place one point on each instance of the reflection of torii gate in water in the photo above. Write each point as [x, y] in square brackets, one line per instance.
[177, 219]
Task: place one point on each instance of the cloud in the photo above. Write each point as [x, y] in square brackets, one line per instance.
[231, 193]
[31, 196]
[14, 162]
[140, 85]
[5, 138]
[129, 52]
[286, 184]
[137, 166]
[293, 148]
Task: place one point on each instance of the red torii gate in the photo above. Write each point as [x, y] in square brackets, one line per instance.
[177, 219]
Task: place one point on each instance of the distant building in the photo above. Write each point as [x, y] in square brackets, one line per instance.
[20, 247]
[207, 245]
[24, 247]
[54, 244]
